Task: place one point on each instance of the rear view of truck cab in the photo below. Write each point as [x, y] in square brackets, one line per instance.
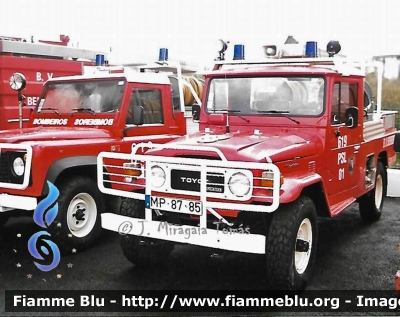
[282, 141]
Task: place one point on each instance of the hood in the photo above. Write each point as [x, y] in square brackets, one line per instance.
[251, 146]
[51, 134]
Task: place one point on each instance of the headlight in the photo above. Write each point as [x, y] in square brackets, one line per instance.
[239, 184]
[19, 166]
[157, 176]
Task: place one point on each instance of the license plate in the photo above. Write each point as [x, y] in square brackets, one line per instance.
[192, 207]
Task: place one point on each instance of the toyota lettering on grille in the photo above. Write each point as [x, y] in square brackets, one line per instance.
[190, 181]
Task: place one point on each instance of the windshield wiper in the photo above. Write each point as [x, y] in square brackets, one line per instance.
[231, 111]
[53, 109]
[279, 112]
[83, 110]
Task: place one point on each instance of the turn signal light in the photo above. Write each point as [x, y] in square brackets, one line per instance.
[267, 179]
[132, 170]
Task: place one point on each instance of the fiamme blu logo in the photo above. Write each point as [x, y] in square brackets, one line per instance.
[39, 245]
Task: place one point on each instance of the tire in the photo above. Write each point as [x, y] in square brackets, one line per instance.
[77, 224]
[371, 203]
[140, 251]
[289, 262]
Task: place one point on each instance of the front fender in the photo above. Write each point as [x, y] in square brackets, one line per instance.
[293, 186]
[57, 167]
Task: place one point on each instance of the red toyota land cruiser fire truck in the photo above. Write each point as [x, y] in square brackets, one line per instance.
[76, 118]
[37, 62]
[282, 141]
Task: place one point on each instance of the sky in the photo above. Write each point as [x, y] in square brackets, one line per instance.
[134, 30]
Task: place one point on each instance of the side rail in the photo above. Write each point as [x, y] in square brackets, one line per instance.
[15, 165]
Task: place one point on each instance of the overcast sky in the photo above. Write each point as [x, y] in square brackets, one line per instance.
[189, 28]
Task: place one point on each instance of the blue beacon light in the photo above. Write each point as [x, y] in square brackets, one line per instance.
[163, 56]
[238, 52]
[100, 60]
[311, 49]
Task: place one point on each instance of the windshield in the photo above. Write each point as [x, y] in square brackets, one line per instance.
[87, 96]
[299, 96]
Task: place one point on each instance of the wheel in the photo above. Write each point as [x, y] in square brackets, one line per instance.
[371, 203]
[80, 204]
[291, 245]
[142, 251]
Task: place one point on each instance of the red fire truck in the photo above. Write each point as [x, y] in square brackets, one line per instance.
[282, 141]
[75, 119]
[37, 62]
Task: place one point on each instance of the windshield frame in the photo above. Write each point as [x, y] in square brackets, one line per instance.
[246, 107]
[89, 96]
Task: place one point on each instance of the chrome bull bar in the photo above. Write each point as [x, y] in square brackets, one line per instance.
[204, 196]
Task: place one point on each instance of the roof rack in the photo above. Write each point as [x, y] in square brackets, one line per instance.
[299, 60]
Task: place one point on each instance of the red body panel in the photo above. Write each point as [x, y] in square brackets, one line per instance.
[311, 151]
[57, 136]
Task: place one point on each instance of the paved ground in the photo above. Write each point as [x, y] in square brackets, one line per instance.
[351, 256]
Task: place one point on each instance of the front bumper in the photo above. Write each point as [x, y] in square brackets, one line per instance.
[212, 238]
[10, 202]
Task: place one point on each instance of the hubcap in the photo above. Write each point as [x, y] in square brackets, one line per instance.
[81, 215]
[378, 191]
[303, 246]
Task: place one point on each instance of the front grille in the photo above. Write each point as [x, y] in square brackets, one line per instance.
[6, 173]
[190, 181]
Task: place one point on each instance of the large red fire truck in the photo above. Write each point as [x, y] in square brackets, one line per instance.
[76, 118]
[282, 141]
[37, 62]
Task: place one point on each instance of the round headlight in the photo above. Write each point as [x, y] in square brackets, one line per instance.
[157, 176]
[239, 184]
[18, 166]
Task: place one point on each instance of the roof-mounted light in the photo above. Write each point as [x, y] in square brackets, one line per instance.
[238, 51]
[311, 49]
[221, 46]
[163, 56]
[17, 81]
[100, 60]
[333, 48]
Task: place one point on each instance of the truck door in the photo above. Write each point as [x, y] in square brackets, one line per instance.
[343, 142]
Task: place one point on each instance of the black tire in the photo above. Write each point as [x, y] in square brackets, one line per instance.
[141, 251]
[78, 221]
[287, 268]
[371, 203]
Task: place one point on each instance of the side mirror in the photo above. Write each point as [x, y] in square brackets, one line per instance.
[196, 112]
[351, 117]
[396, 144]
[138, 115]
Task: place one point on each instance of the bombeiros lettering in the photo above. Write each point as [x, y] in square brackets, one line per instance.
[94, 122]
[50, 121]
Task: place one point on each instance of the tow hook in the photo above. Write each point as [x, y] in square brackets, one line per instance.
[302, 246]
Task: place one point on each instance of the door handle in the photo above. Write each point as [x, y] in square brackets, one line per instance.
[356, 149]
